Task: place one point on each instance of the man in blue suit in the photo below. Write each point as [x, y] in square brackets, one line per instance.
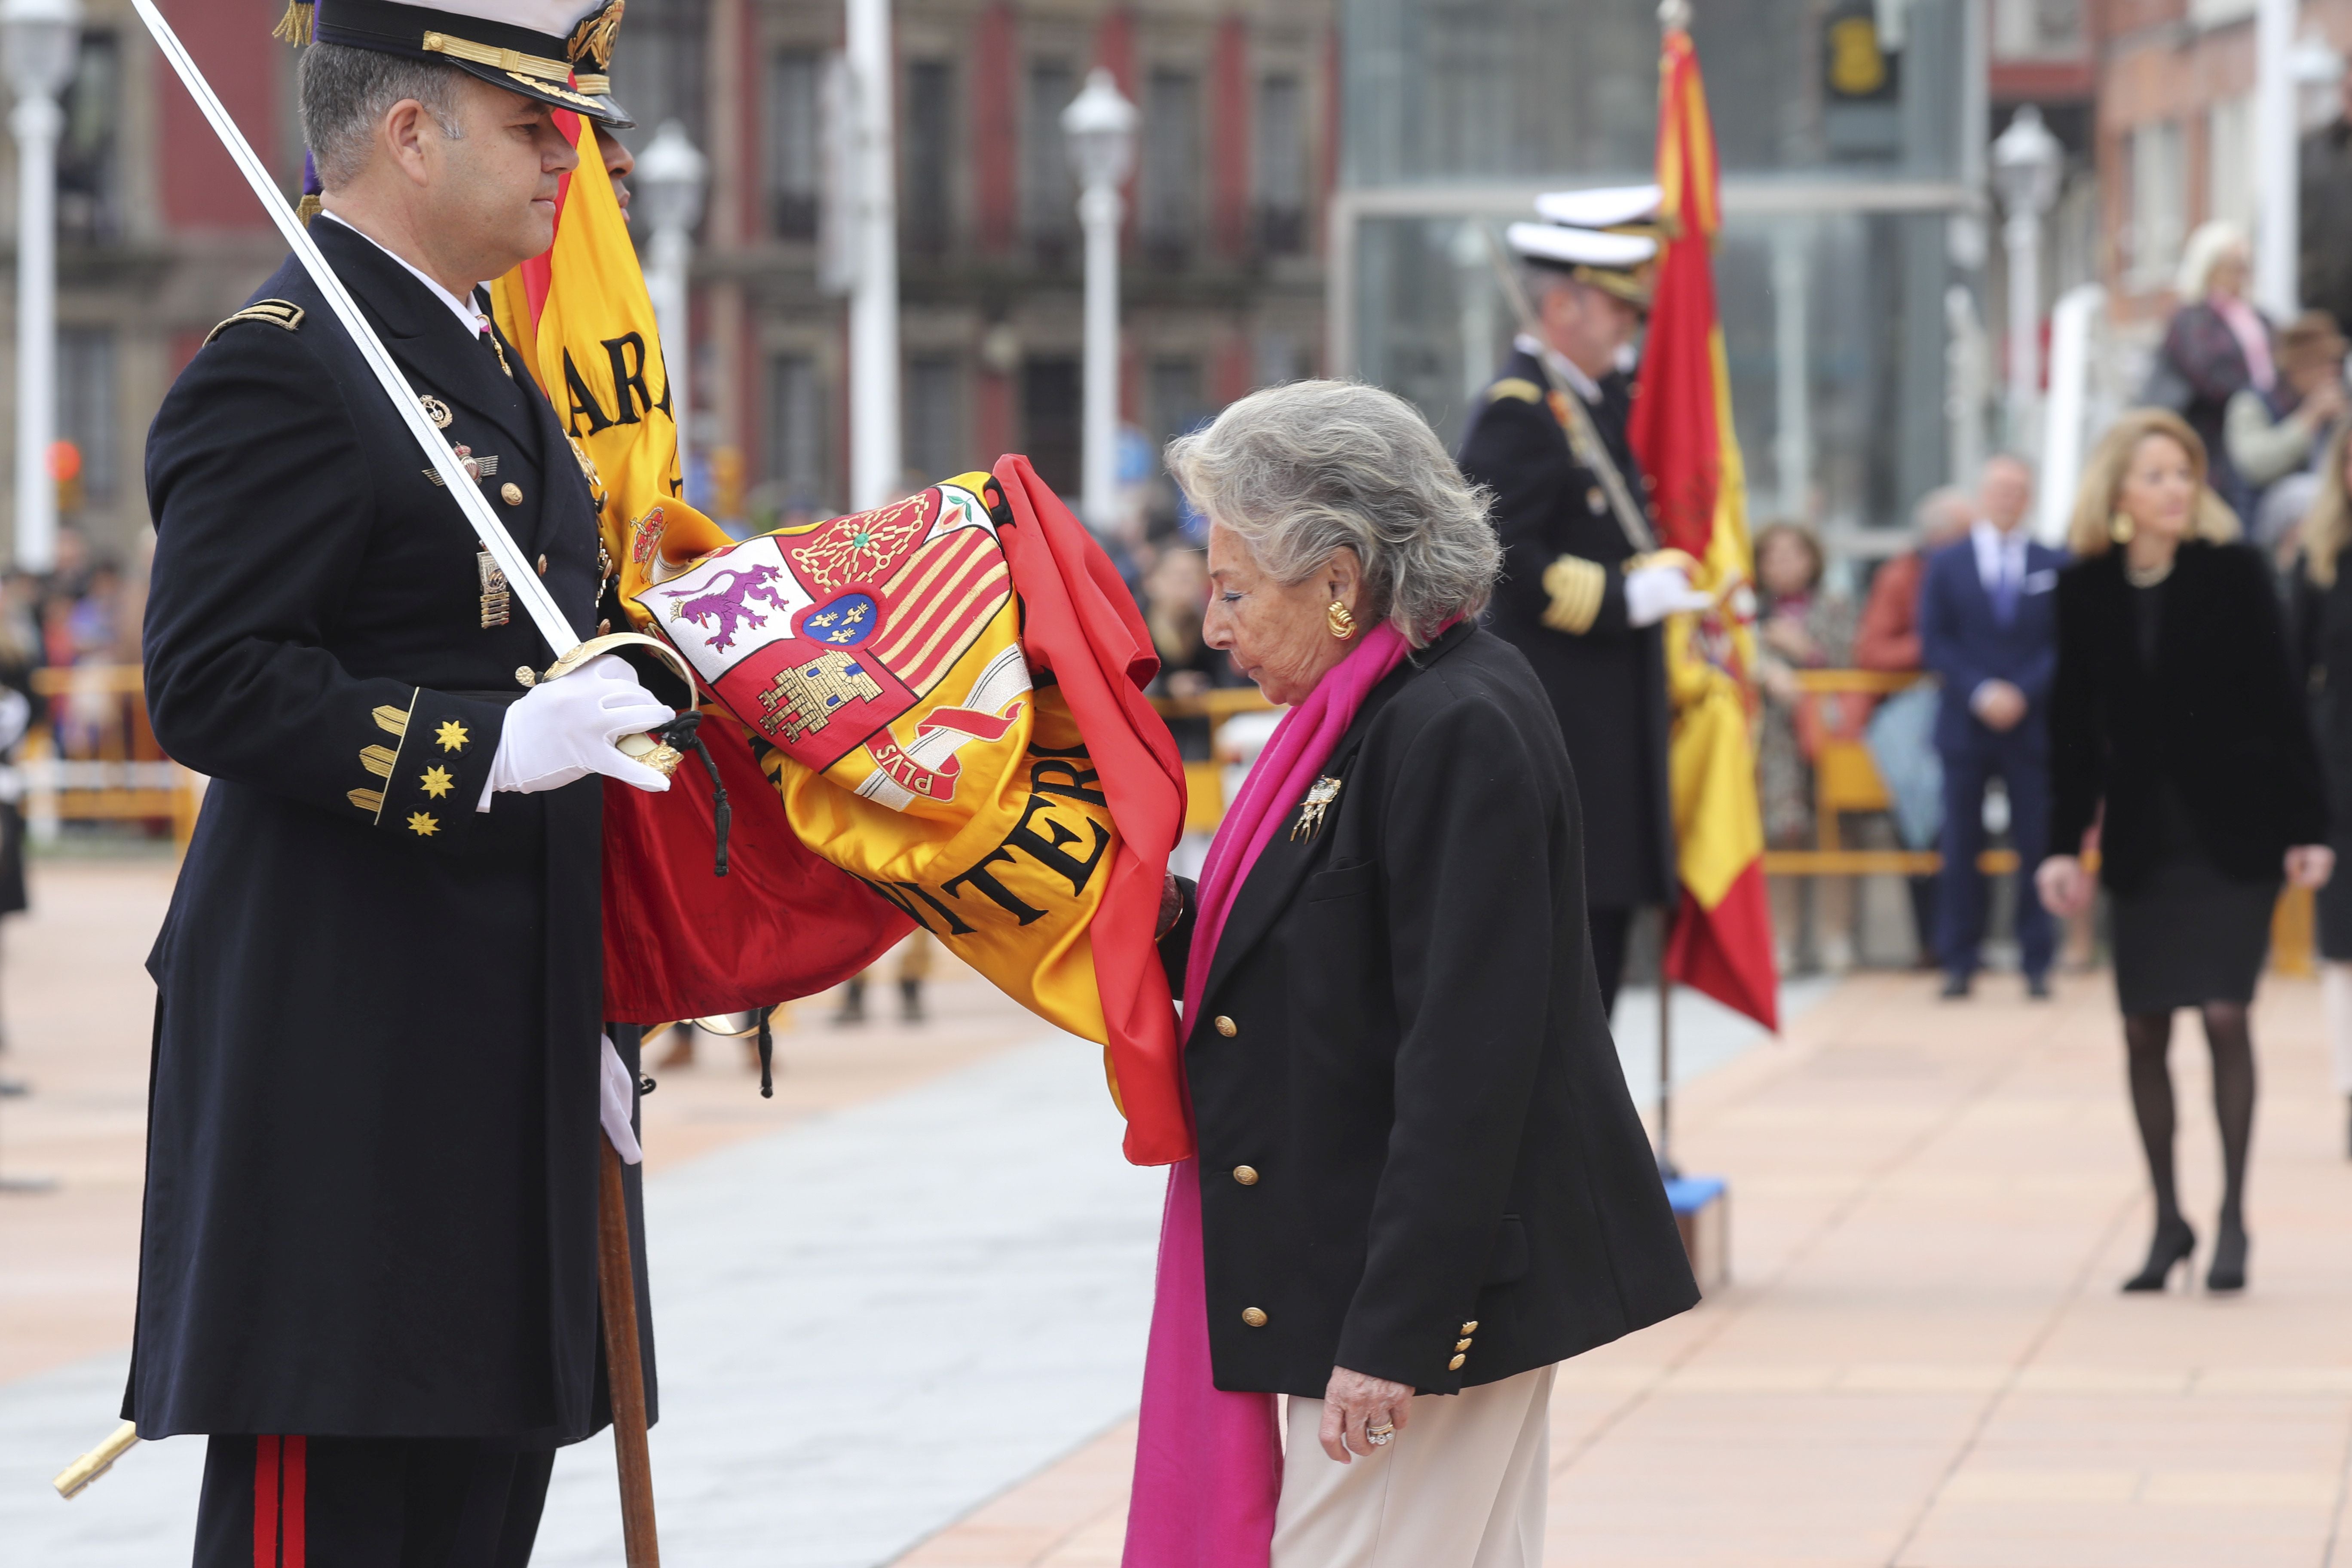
[1987, 627]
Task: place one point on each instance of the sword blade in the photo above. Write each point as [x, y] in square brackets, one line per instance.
[522, 581]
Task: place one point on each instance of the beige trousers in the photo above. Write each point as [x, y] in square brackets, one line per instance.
[1461, 1487]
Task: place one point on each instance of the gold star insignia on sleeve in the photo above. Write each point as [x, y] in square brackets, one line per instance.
[437, 781]
[421, 825]
[452, 735]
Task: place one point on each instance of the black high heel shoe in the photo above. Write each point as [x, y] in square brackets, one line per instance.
[2228, 1272]
[2171, 1248]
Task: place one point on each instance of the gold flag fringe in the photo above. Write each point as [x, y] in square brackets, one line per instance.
[295, 25]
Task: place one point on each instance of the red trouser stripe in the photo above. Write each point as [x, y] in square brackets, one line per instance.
[280, 1478]
[291, 1496]
[264, 1502]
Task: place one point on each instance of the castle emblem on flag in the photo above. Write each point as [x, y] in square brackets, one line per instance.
[804, 696]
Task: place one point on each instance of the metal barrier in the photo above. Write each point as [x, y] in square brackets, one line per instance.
[92, 756]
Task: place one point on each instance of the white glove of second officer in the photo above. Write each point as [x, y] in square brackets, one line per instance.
[616, 1096]
[564, 730]
[1653, 593]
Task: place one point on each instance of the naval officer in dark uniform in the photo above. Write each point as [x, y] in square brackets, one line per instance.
[1581, 594]
[368, 1267]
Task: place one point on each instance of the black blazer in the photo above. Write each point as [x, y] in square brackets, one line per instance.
[341, 1236]
[2220, 719]
[1607, 683]
[1418, 1157]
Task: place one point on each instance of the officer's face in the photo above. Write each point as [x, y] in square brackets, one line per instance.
[494, 187]
[1589, 325]
[1279, 634]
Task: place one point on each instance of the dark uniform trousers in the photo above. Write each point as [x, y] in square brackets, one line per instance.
[1561, 602]
[276, 1502]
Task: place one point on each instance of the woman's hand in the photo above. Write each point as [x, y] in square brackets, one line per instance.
[2065, 887]
[1172, 906]
[2310, 865]
[1351, 1403]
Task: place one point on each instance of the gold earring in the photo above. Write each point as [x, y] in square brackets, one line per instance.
[1340, 619]
[2119, 528]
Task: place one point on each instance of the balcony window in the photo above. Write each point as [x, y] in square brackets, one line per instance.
[796, 143]
[1168, 188]
[1279, 157]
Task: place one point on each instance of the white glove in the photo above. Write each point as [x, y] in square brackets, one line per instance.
[564, 730]
[1653, 593]
[616, 1096]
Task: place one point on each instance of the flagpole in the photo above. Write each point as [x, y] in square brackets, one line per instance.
[1666, 1056]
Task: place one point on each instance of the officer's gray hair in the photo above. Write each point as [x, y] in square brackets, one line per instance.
[346, 93]
[1300, 470]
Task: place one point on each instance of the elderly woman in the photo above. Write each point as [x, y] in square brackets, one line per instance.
[1420, 1183]
[2216, 346]
[2175, 725]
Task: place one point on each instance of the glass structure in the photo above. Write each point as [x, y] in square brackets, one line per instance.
[1852, 197]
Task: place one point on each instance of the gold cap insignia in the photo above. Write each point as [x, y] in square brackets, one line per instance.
[591, 43]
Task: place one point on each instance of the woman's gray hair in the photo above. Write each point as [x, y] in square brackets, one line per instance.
[347, 91]
[1300, 470]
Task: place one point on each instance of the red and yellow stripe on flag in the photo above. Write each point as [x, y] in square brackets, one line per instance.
[1683, 432]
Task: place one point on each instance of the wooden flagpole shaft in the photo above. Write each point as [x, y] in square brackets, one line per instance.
[625, 1372]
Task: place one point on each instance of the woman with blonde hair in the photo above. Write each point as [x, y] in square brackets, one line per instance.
[2176, 726]
[2323, 647]
[2216, 346]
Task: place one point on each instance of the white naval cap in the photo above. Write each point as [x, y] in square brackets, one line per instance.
[1607, 206]
[1560, 245]
[558, 51]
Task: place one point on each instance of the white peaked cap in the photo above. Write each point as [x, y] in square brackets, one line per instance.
[1564, 246]
[1605, 207]
[555, 17]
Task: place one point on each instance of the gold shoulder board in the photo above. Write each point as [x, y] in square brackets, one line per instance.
[1516, 387]
[276, 312]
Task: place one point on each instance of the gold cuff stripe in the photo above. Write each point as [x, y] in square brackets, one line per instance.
[514, 62]
[380, 759]
[1577, 587]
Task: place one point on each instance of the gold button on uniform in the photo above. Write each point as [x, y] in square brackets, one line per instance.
[1462, 1344]
[1245, 1175]
[511, 493]
[1471, 1327]
[1226, 1027]
[542, 565]
[1455, 1364]
[1254, 1317]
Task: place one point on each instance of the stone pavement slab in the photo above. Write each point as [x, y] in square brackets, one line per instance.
[1922, 1360]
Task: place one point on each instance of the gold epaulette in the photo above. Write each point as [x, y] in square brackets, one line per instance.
[276, 312]
[1577, 587]
[1516, 387]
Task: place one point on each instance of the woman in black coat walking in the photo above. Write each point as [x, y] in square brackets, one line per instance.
[2323, 594]
[2174, 710]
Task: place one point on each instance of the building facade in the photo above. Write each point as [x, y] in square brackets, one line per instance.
[1222, 265]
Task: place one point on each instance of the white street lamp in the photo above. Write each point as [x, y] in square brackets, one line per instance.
[1100, 125]
[869, 61]
[2026, 163]
[39, 43]
[671, 173]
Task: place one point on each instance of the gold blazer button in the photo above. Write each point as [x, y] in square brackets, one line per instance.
[1254, 1317]
[1471, 1327]
[1226, 1027]
[1245, 1175]
[1455, 1364]
[511, 493]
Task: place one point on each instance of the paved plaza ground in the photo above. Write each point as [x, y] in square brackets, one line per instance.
[901, 1306]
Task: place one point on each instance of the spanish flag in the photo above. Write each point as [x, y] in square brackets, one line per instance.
[930, 714]
[784, 922]
[1682, 431]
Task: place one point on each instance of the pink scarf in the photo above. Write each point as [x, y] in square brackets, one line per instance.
[1208, 1464]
